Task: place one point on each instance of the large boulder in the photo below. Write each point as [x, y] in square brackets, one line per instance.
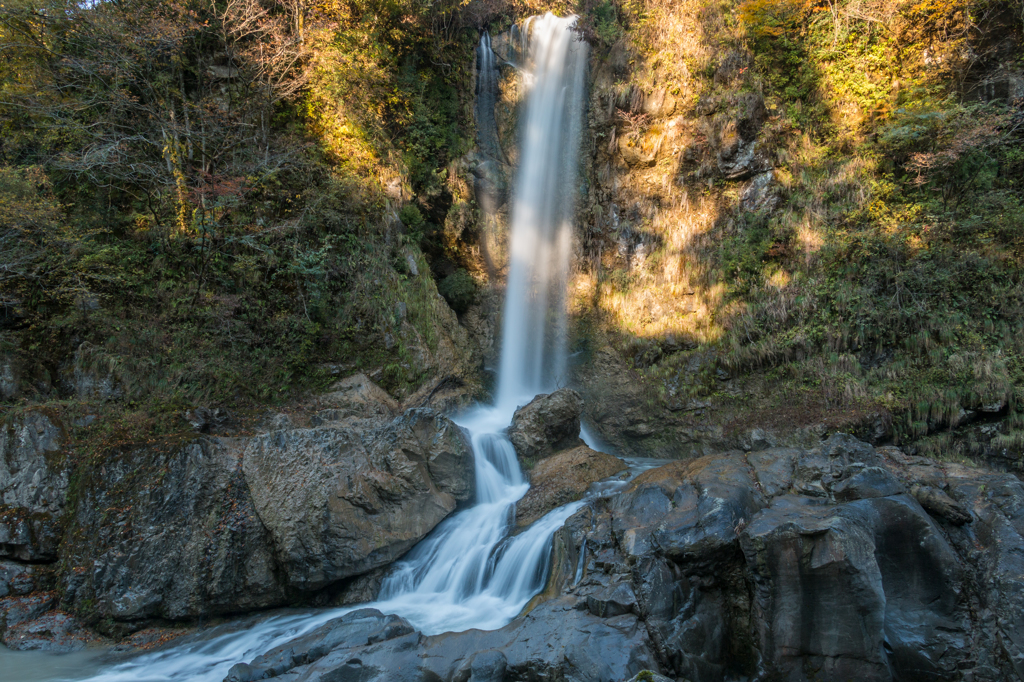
[343, 499]
[836, 589]
[563, 478]
[547, 424]
[33, 486]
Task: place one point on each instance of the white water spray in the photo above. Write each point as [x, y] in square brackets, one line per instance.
[469, 573]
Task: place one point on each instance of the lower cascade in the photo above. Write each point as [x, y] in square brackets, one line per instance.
[469, 572]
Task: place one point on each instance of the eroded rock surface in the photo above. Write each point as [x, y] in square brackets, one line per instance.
[188, 529]
[170, 532]
[33, 486]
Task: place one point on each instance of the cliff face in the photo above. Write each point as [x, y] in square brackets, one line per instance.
[779, 229]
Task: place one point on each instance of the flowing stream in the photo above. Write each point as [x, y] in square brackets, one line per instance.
[469, 572]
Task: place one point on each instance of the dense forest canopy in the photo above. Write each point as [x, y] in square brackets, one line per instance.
[226, 201]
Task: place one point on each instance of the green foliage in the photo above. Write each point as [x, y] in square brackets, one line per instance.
[459, 290]
[207, 223]
[606, 23]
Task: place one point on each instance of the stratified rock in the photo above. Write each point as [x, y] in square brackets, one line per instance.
[547, 424]
[342, 500]
[33, 486]
[563, 478]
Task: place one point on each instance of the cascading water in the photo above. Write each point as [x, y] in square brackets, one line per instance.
[533, 349]
[469, 573]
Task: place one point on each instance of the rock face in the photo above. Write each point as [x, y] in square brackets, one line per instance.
[169, 532]
[340, 500]
[563, 478]
[214, 525]
[777, 564]
[17, 579]
[33, 486]
[547, 424]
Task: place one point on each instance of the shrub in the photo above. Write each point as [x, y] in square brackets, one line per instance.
[459, 290]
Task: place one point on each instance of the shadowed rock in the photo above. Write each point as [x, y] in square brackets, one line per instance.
[547, 424]
[33, 486]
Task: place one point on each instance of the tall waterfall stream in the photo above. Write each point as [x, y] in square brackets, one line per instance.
[469, 572]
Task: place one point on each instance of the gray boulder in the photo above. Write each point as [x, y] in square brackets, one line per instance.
[342, 500]
[837, 590]
[555, 640]
[547, 424]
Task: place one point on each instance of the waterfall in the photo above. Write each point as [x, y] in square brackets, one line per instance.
[533, 344]
[469, 572]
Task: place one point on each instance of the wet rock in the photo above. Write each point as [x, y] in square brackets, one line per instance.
[547, 424]
[488, 666]
[341, 501]
[613, 600]
[33, 486]
[563, 478]
[554, 641]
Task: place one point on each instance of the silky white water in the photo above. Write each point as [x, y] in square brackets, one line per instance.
[533, 348]
[469, 572]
